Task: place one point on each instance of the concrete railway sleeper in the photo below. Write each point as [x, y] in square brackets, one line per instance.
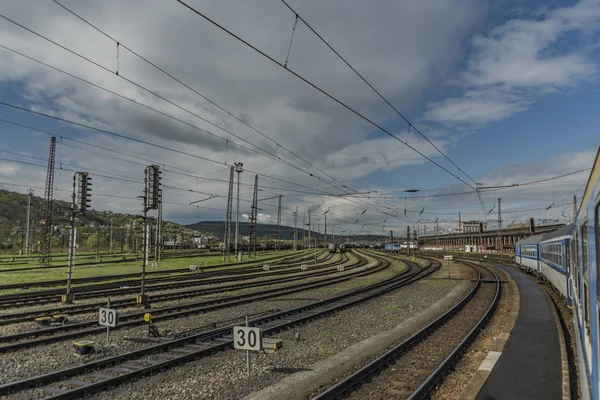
[110, 372]
[319, 270]
[413, 368]
[179, 281]
[44, 336]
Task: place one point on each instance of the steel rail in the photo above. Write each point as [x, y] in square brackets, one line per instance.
[172, 312]
[350, 382]
[206, 343]
[26, 316]
[124, 287]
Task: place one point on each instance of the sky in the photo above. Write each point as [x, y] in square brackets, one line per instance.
[497, 93]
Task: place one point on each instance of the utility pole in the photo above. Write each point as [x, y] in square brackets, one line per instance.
[158, 234]
[309, 230]
[303, 229]
[29, 195]
[81, 198]
[325, 227]
[437, 233]
[295, 227]
[499, 237]
[227, 236]
[460, 227]
[254, 217]
[574, 207]
[408, 240]
[97, 239]
[110, 246]
[239, 168]
[279, 223]
[46, 238]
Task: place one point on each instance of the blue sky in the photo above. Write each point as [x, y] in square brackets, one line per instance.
[507, 89]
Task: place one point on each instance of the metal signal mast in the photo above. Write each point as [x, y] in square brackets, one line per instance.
[499, 238]
[227, 237]
[152, 198]
[47, 208]
[254, 216]
[81, 199]
[279, 223]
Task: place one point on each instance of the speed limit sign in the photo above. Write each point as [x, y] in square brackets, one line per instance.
[247, 338]
[108, 317]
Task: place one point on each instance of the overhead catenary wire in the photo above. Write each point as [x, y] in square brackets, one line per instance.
[361, 76]
[214, 103]
[258, 150]
[319, 89]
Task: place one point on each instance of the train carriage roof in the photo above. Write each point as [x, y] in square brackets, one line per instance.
[566, 230]
[535, 239]
[591, 184]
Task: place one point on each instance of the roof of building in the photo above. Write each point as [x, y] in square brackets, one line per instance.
[535, 239]
[564, 231]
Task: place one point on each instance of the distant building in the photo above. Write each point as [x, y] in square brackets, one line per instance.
[472, 226]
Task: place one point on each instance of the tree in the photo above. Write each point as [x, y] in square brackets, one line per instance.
[92, 241]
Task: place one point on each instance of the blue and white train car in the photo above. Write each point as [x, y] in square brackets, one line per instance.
[554, 259]
[527, 254]
[585, 266]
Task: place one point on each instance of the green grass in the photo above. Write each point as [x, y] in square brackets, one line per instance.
[110, 269]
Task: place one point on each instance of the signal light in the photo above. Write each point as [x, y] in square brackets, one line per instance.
[84, 192]
[481, 227]
[153, 190]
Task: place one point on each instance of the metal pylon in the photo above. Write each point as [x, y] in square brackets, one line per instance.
[159, 233]
[254, 217]
[499, 238]
[227, 238]
[47, 208]
[279, 223]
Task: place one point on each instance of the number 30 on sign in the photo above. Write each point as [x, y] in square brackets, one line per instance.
[247, 338]
[108, 317]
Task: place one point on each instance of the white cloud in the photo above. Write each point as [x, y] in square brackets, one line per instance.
[7, 169]
[522, 59]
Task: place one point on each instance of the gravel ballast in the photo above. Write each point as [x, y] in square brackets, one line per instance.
[222, 376]
[43, 359]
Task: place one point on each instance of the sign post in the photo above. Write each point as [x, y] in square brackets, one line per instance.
[249, 339]
[108, 317]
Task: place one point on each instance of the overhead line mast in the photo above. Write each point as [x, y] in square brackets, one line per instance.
[47, 228]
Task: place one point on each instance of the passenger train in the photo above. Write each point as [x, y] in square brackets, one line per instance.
[568, 259]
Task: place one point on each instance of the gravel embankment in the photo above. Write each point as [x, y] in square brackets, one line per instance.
[222, 376]
[403, 376]
[454, 383]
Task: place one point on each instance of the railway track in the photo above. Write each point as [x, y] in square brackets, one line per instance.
[124, 259]
[100, 278]
[413, 368]
[316, 270]
[132, 286]
[53, 334]
[95, 376]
